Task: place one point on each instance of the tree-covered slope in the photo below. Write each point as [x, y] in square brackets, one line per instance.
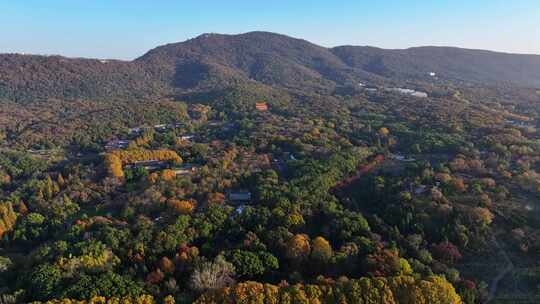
[213, 61]
[446, 62]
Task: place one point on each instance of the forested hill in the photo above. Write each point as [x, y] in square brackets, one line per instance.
[28, 77]
[214, 60]
[450, 63]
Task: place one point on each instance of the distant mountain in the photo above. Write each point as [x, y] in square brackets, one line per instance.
[214, 60]
[265, 57]
[449, 63]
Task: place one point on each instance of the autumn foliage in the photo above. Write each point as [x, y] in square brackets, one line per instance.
[299, 247]
[7, 218]
[166, 265]
[144, 299]
[144, 139]
[113, 164]
[321, 251]
[181, 206]
[135, 155]
[155, 276]
[168, 175]
[446, 252]
[391, 290]
[116, 159]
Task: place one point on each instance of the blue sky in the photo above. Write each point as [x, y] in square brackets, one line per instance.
[126, 29]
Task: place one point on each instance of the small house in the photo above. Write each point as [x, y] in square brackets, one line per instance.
[239, 196]
[185, 169]
[187, 137]
[419, 94]
[150, 165]
[116, 144]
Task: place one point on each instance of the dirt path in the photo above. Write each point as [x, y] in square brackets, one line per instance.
[494, 284]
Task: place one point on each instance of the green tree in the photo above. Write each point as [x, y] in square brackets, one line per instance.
[43, 281]
[247, 264]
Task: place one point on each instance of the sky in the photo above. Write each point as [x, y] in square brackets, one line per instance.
[126, 29]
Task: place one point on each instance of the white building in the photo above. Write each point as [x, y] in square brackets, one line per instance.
[419, 94]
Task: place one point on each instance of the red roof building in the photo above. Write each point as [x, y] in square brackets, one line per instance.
[261, 106]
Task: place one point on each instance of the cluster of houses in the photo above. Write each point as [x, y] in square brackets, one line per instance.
[400, 157]
[165, 127]
[158, 128]
[519, 123]
[409, 92]
[119, 144]
[403, 91]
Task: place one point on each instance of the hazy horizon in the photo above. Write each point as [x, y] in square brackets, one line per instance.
[126, 30]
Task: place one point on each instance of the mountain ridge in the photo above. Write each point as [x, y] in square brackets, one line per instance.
[221, 60]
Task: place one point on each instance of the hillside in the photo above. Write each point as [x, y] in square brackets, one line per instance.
[28, 77]
[449, 63]
[214, 60]
[269, 58]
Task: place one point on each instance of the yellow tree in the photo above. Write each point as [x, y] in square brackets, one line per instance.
[113, 164]
[169, 300]
[7, 217]
[482, 216]
[321, 249]
[382, 133]
[181, 206]
[200, 111]
[168, 175]
[298, 247]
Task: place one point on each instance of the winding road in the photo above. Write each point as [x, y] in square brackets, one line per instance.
[493, 286]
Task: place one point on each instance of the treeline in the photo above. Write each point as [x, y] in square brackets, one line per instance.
[132, 156]
[144, 299]
[391, 290]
